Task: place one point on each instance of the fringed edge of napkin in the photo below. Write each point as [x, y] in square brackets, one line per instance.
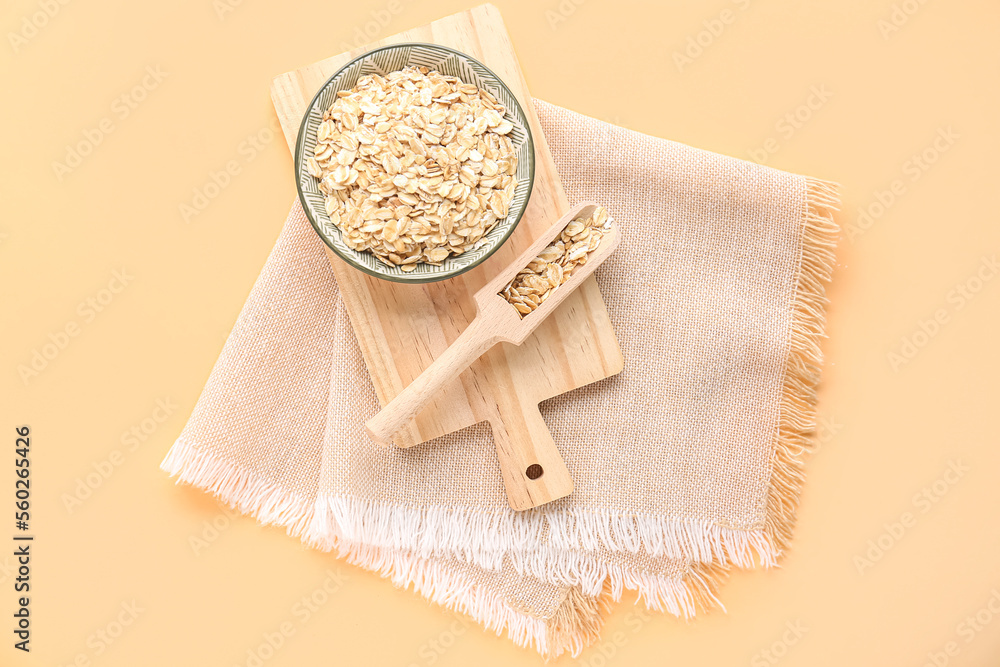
[693, 591]
[796, 431]
[483, 537]
[683, 596]
[239, 489]
[575, 624]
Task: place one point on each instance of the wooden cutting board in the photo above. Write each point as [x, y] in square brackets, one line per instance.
[403, 328]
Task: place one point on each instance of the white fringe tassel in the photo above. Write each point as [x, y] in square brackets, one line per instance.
[683, 595]
[271, 505]
[433, 580]
[319, 525]
[484, 537]
[239, 489]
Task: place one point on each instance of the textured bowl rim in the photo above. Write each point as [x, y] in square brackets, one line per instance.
[418, 279]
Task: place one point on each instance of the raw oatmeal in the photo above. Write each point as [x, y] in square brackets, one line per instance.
[415, 166]
[553, 266]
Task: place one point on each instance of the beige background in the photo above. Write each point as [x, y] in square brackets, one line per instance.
[881, 93]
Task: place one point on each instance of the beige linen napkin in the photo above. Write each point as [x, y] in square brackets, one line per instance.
[685, 463]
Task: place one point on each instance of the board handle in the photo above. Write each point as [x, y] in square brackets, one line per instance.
[533, 472]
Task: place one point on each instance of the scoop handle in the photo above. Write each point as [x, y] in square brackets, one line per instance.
[477, 338]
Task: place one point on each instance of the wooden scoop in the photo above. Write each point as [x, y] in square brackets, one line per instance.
[533, 471]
